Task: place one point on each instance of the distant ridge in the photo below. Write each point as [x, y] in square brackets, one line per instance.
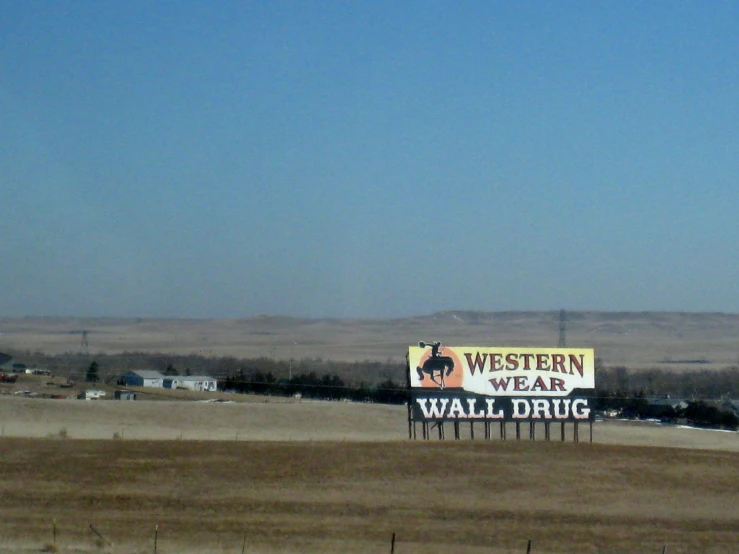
[629, 339]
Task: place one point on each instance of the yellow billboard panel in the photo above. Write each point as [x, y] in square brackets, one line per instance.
[501, 371]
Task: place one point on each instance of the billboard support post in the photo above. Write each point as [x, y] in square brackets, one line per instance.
[411, 423]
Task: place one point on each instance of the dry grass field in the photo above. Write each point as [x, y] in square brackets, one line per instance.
[257, 418]
[448, 498]
[335, 477]
[634, 340]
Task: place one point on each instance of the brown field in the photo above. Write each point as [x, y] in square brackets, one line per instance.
[465, 497]
[337, 477]
[635, 340]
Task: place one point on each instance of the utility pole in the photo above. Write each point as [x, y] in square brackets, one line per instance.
[562, 330]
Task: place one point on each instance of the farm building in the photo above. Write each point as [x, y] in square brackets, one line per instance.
[125, 395]
[143, 378]
[91, 394]
[665, 407]
[191, 382]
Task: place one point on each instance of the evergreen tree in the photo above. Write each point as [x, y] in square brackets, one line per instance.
[92, 373]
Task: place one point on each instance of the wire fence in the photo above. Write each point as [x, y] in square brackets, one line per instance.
[158, 543]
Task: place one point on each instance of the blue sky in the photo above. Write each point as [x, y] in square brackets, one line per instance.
[377, 159]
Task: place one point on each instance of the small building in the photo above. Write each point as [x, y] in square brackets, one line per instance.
[665, 407]
[191, 382]
[91, 394]
[143, 378]
[124, 395]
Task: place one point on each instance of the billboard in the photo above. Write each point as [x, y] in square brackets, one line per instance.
[476, 383]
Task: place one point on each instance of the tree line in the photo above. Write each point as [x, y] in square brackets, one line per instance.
[705, 384]
[705, 395]
[617, 388]
[74, 365]
[312, 385]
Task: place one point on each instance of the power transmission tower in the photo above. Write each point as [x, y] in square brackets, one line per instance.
[562, 330]
[84, 345]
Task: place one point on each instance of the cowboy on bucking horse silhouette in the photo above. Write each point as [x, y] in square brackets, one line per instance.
[437, 367]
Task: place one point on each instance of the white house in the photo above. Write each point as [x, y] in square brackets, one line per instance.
[191, 382]
[143, 378]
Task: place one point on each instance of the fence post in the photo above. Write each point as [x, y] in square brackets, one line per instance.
[664, 549]
[156, 536]
[392, 545]
[528, 547]
[54, 530]
[243, 546]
